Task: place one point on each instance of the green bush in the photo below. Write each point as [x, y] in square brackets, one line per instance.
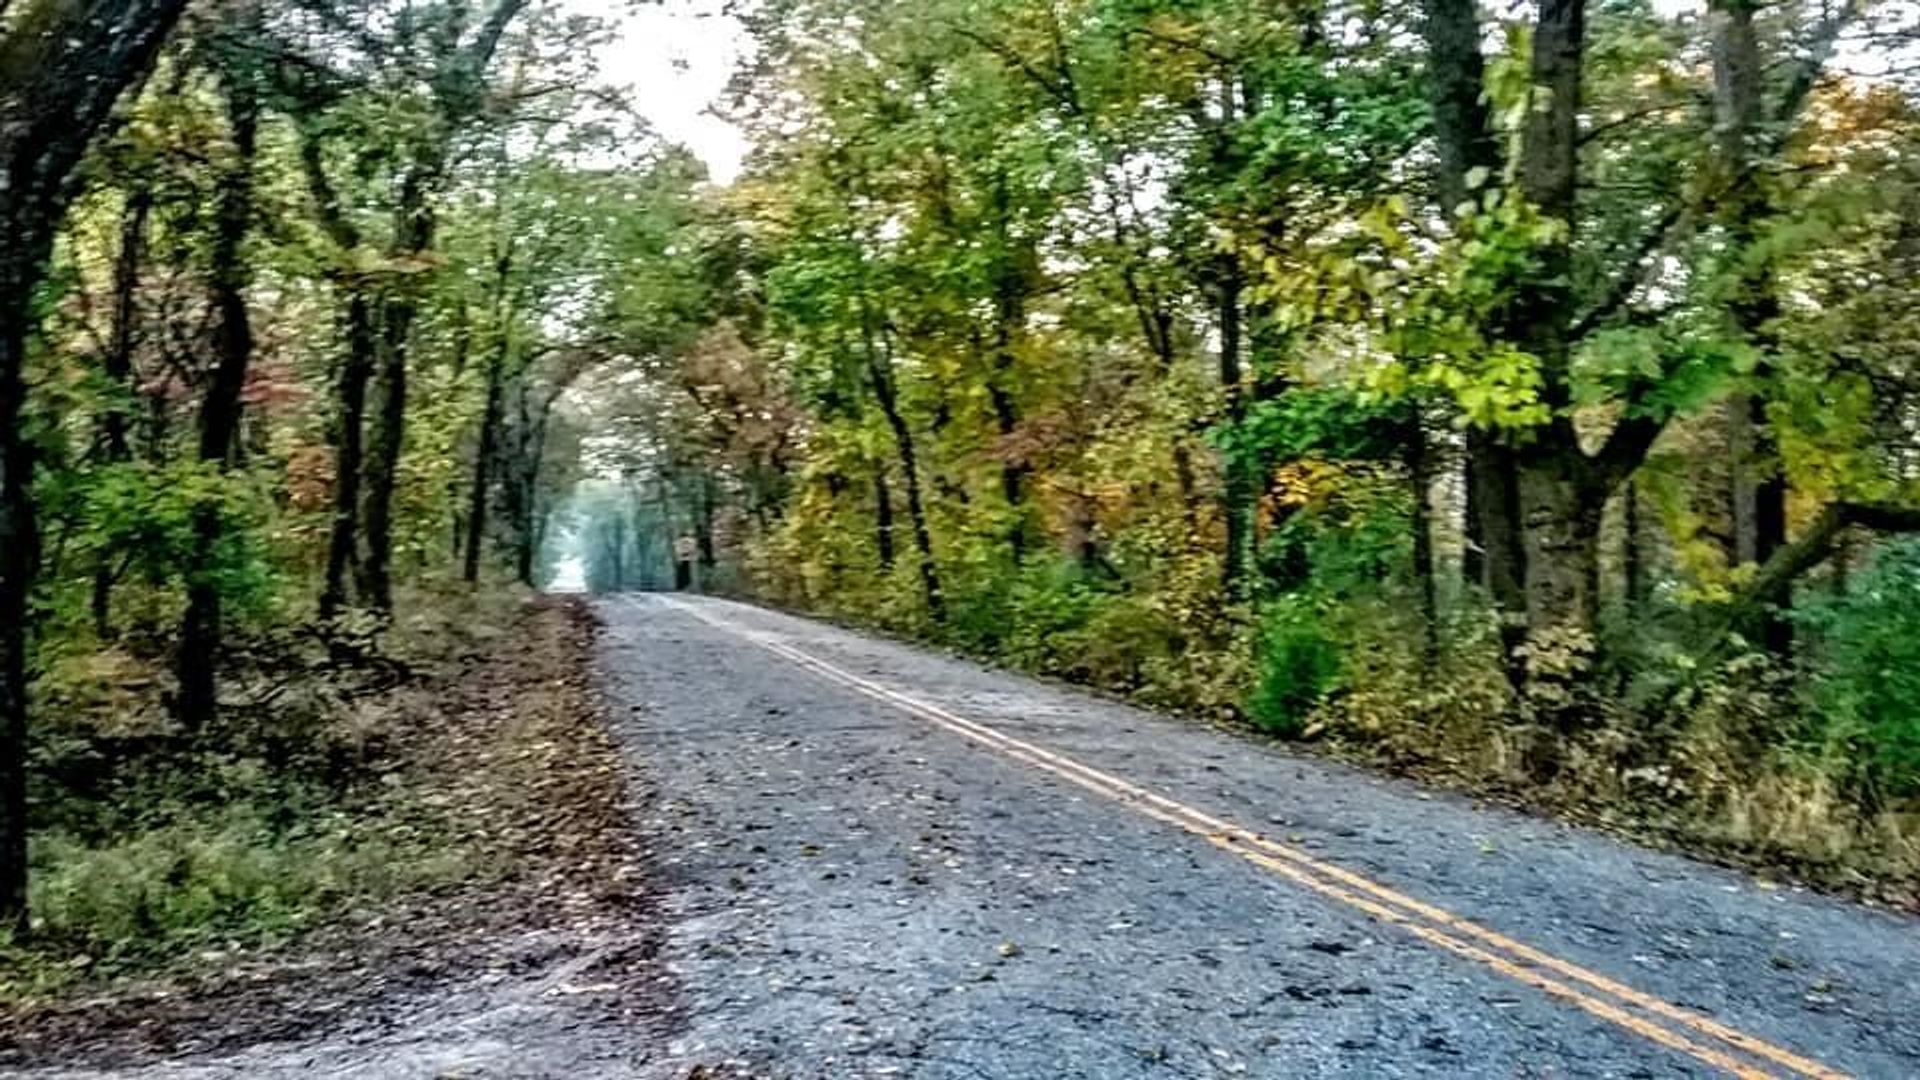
[1866, 678]
[1046, 617]
[1296, 666]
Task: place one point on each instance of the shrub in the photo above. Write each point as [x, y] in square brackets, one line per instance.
[1042, 625]
[1297, 664]
[1867, 674]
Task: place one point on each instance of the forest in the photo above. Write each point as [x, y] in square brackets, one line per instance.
[1521, 397]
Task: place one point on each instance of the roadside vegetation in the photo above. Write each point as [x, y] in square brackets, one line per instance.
[292, 289]
[471, 818]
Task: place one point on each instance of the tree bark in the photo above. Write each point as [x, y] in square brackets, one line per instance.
[349, 455]
[703, 527]
[1420, 473]
[115, 424]
[880, 377]
[1561, 513]
[1632, 563]
[1239, 490]
[485, 454]
[1759, 510]
[522, 480]
[1468, 150]
[362, 340]
[1010, 287]
[19, 559]
[200, 627]
[1493, 500]
[414, 234]
[882, 518]
[1456, 73]
[1560, 494]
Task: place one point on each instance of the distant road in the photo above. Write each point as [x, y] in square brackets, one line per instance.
[887, 862]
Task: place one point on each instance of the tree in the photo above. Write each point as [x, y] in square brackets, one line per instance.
[62, 69]
[239, 79]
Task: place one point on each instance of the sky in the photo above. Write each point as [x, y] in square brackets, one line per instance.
[676, 57]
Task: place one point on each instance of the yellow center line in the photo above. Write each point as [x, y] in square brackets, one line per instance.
[1341, 884]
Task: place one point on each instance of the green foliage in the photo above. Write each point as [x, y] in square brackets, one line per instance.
[145, 515]
[1868, 679]
[1297, 666]
[1331, 422]
[246, 871]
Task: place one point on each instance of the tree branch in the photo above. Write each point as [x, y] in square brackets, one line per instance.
[1632, 275]
[1772, 585]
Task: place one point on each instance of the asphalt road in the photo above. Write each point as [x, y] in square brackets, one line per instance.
[885, 862]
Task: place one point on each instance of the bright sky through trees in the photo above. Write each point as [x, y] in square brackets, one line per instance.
[677, 56]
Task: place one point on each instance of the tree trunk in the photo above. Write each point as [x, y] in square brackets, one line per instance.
[1189, 485]
[200, 628]
[349, 436]
[1759, 486]
[617, 550]
[526, 461]
[525, 554]
[1559, 498]
[413, 232]
[1561, 513]
[1473, 550]
[387, 439]
[1239, 490]
[1010, 286]
[1456, 73]
[1493, 498]
[19, 559]
[882, 518]
[1632, 562]
[1468, 151]
[484, 455]
[115, 423]
[1420, 476]
[349, 454]
[880, 374]
[703, 526]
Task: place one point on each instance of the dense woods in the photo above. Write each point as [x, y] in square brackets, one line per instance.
[1519, 395]
[291, 293]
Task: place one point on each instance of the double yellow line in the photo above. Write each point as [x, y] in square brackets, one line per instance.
[1683, 1030]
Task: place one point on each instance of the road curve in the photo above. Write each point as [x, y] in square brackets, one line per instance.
[886, 862]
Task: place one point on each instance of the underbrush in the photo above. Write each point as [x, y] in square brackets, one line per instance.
[1167, 643]
[1804, 767]
[312, 796]
[212, 879]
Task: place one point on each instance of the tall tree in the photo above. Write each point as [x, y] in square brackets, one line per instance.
[238, 68]
[457, 62]
[62, 68]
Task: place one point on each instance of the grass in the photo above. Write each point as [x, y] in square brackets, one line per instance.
[218, 878]
[154, 848]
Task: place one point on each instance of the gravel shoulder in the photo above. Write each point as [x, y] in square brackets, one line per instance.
[856, 892]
